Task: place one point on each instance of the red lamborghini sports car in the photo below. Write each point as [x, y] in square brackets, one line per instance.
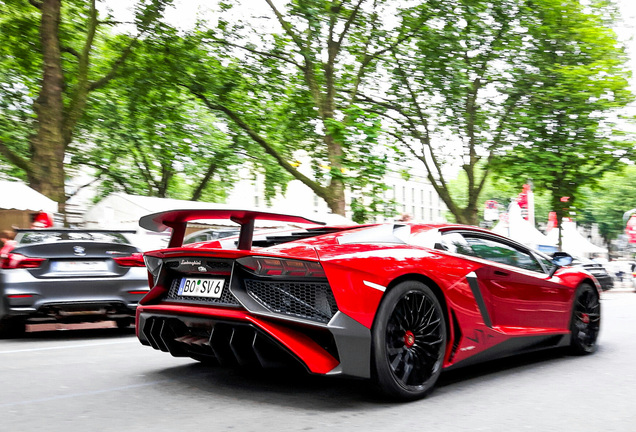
[396, 303]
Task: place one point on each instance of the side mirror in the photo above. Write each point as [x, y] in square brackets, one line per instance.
[560, 259]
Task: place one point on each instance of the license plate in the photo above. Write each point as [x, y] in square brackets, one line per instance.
[195, 287]
[80, 266]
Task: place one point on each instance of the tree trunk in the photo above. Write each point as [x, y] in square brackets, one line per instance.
[47, 145]
[336, 197]
[559, 209]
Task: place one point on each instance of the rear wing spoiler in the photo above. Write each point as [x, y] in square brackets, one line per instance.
[74, 230]
[178, 221]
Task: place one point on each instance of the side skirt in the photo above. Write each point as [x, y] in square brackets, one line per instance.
[514, 346]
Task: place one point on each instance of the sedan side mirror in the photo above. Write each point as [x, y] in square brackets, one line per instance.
[560, 259]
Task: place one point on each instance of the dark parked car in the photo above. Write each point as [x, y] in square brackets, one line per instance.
[597, 270]
[68, 276]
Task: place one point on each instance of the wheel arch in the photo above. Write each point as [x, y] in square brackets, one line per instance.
[586, 280]
[592, 282]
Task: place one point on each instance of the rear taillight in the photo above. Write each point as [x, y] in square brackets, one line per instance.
[153, 265]
[17, 261]
[263, 266]
[134, 260]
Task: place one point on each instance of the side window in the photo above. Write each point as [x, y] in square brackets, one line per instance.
[503, 253]
[456, 243]
[547, 262]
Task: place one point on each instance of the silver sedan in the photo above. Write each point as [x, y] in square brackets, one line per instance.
[69, 276]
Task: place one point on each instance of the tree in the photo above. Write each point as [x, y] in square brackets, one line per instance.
[606, 204]
[289, 81]
[451, 93]
[463, 83]
[577, 81]
[147, 136]
[54, 54]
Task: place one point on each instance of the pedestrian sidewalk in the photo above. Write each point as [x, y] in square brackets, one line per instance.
[626, 286]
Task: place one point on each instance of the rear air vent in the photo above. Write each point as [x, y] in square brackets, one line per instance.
[309, 300]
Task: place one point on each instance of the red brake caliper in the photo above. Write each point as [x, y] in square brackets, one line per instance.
[585, 318]
[409, 338]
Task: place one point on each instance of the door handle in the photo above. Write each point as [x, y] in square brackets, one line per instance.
[501, 273]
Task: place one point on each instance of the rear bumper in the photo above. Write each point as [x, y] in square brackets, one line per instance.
[71, 300]
[237, 337]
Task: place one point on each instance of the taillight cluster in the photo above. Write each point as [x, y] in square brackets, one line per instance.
[134, 260]
[153, 264]
[17, 261]
[264, 266]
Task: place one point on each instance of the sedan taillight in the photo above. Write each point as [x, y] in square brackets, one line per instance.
[17, 261]
[134, 260]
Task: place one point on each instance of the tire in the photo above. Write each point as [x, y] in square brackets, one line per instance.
[409, 341]
[12, 327]
[124, 323]
[586, 320]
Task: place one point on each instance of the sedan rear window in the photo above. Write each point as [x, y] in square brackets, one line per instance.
[35, 237]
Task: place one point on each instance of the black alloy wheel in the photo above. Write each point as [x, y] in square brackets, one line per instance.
[124, 323]
[409, 341]
[586, 319]
[11, 327]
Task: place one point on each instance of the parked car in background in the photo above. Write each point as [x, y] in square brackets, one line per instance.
[69, 276]
[396, 303]
[597, 269]
[210, 235]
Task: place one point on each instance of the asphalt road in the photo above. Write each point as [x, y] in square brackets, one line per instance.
[104, 380]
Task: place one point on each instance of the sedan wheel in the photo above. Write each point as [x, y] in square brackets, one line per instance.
[409, 341]
[124, 323]
[586, 320]
[12, 327]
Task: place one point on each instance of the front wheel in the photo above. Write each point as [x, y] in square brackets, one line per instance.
[586, 320]
[409, 341]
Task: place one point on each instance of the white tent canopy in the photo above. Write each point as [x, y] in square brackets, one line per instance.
[123, 211]
[520, 230]
[573, 242]
[18, 196]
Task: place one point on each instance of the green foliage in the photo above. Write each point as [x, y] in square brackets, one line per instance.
[446, 103]
[20, 67]
[42, 109]
[454, 83]
[481, 77]
[287, 83]
[606, 204]
[148, 136]
[576, 80]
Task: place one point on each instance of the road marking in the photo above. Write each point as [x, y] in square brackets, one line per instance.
[89, 393]
[67, 347]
